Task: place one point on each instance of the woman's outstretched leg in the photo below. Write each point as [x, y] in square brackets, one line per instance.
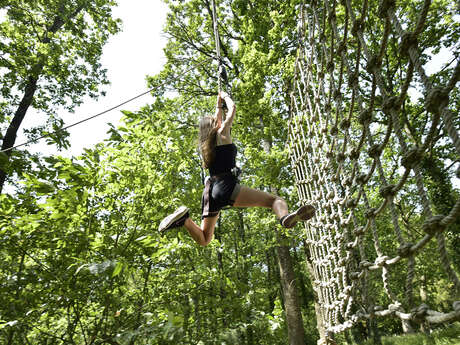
[249, 197]
[202, 235]
[181, 217]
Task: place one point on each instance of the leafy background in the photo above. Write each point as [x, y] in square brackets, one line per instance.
[81, 261]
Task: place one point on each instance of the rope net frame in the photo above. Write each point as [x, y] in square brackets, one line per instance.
[356, 161]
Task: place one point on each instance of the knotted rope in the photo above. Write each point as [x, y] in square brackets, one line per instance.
[348, 129]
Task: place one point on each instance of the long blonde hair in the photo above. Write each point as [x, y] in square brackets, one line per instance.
[208, 139]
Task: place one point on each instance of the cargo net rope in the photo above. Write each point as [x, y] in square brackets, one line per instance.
[359, 144]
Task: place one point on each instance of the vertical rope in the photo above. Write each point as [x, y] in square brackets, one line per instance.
[221, 73]
[217, 39]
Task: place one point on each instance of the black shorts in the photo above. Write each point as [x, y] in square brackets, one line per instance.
[217, 194]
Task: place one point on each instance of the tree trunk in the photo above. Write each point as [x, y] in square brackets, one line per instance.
[305, 295]
[296, 332]
[294, 320]
[12, 131]
[320, 322]
[319, 315]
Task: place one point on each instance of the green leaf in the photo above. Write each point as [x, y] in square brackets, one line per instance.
[117, 270]
[42, 187]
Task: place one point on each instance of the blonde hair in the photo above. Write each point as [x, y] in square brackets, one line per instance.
[207, 139]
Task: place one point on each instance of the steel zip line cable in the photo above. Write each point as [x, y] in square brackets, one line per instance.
[96, 115]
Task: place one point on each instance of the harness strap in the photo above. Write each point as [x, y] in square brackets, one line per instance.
[234, 172]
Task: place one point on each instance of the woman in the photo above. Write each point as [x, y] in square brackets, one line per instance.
[222, 187]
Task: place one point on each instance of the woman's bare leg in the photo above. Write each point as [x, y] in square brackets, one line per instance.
[202, 235]
[248, 197]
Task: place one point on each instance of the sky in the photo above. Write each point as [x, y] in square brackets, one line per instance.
[129, 56]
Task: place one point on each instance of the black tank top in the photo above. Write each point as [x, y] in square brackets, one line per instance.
[224, 160]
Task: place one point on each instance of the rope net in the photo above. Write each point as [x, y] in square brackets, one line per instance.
[357, 142]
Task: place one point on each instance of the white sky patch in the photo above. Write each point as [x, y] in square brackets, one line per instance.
[439, 61]
[129, 56]
[435, 65]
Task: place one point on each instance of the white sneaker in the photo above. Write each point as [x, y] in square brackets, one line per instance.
[303, 214]
[174, 220]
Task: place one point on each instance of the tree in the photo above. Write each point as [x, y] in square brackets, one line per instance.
[50, 52]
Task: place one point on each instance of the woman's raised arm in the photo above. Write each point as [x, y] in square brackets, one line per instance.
[230, 112]
[219, 110]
